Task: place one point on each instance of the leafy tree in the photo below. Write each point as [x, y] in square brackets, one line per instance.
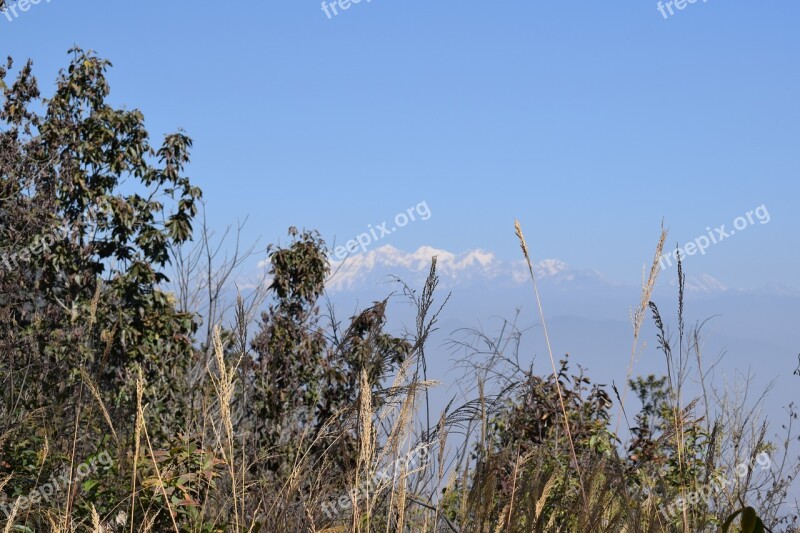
[535, 417]
[81, 263]
[306, 379]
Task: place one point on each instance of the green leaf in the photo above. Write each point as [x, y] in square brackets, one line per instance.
[89, 484]
[729, 521]
[751, 523]
[749, 518]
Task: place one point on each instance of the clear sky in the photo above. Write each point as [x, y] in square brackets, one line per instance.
[590, 121]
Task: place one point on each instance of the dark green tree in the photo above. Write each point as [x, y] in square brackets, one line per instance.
[81, 262]
[307, 377]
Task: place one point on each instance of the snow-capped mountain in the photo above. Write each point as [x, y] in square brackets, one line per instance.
[376, 266]
[702, 284]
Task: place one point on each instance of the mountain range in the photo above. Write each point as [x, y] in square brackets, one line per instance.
[587, 314]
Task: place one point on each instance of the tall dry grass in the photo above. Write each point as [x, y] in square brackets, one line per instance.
[463, 482]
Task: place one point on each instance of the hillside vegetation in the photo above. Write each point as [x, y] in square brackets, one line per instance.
[128, 407]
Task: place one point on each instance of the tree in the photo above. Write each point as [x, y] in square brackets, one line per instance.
[306, 378]
[81, 262]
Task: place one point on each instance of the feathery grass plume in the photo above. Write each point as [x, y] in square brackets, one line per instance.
[137, 440]
[546, 490]
[96, 395]
[98, 528]
[366, 442]
[12, 516]
[54, 527]
[398, 435]
[638, 316]
[401, 500]
[524, 246]
[513, 488]
[501, 523]
[223, 385]
[403, 421]
[95, 302]
[45, 453]
[365, 418]
[108, 337]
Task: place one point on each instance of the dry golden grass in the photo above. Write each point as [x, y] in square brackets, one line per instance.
[567, 428]
[389, 427]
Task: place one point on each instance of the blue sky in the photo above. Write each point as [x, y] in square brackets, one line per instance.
[588, 121]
